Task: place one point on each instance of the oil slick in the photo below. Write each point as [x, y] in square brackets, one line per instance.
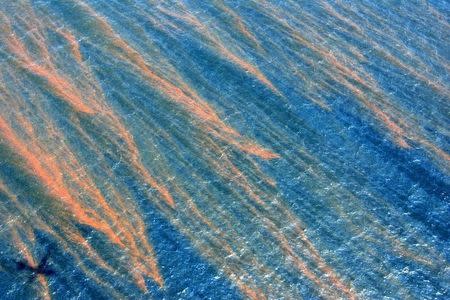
[230, 120]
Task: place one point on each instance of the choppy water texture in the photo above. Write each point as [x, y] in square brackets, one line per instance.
[224, 149]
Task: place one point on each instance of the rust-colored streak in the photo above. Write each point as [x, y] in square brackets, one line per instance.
[81, 169]
[60, 86]
[73, 43]
[50, 176]
[188, 98]
[222, 49]
[49, 172]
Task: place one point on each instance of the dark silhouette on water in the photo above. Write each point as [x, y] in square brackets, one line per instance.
[41, 268]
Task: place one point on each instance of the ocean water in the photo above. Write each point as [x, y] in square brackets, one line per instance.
[246, 149]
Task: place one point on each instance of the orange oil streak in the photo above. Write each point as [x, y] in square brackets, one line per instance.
[239, 23]
[58, 84]
[219, 45]
[49, 174]
[74, 46]
[117, 124]
[237, 177]
[217, 131]
[301, 265]
[399, 129]
[73, 235]
[437, 86]
[189, 99]
[69, 167]
[251, 293]
[226, 168]
[322, 265]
